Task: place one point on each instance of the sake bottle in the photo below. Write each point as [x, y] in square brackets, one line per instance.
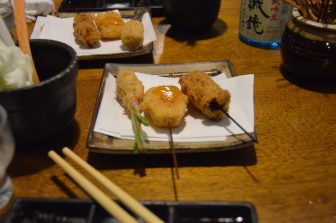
[262, 22]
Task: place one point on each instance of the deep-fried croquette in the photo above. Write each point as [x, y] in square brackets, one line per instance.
[109, 24]
[85, 30]
[129, 88]
[165, 106]
[132, 34]
[202, 92]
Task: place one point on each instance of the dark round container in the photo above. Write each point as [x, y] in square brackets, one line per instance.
[195, 15]
[308, 49]
[38, 112]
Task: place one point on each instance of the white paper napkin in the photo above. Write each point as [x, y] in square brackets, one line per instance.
[61, 29]
[38, 7]
[114, 121]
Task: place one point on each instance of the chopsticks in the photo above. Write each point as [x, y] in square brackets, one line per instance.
[106, 202]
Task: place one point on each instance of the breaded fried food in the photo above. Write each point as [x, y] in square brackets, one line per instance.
[132, 34]
[109, 24]
[165, 106]
[205, 94]
[85, 30]
[129, 88]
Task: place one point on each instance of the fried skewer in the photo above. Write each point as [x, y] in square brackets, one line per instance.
[208, 97]
[85, 30]
[130, 92]
[166, 106]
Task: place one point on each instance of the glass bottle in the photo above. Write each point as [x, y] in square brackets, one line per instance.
[262, 22]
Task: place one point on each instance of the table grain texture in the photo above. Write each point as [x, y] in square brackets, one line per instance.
[289, 175]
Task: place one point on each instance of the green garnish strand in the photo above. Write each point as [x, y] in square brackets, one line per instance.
[137, 120]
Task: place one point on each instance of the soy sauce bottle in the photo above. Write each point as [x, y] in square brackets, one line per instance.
[262, 22]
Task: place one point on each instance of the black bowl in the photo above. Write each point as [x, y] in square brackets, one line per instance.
[191, 15]
[308, 50]
[38, 112]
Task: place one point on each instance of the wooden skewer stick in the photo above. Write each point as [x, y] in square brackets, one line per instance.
[22, 33]
[215, 106]
[241, 127]
[171, 142]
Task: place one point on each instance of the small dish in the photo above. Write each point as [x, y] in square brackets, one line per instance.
[61, 29]
[103, 143]
[75, 211]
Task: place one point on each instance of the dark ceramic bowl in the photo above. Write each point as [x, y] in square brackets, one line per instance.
[38, 112]
[308, 50]
[194, 15]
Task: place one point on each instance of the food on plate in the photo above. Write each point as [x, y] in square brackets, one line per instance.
[205, 94]
[85, 30]
[129, 88]
[109, 24]
[132, 34]
[130, 92]
[90, 28]
[165, 106]
[16, 70]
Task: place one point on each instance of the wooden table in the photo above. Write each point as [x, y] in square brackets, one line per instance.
[289, 175]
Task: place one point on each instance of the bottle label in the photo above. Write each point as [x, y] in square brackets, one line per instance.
[263, 20]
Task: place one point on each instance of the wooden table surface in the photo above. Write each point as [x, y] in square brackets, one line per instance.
[289, 175]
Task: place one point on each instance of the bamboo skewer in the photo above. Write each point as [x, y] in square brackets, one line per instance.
[22, 33]
[125, 198]
[241, 127]
[171, 142]
[215, 106]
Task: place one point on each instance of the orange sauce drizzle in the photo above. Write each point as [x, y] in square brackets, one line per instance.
[168, 93]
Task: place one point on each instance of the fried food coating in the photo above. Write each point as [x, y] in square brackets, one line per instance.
[165, 106]
[132, 34]
[129, 88]
[109, 24]
[202, 91]
[85, 30]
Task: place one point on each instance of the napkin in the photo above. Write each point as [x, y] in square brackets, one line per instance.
[113, 120]
[38, 7]
[61, 29]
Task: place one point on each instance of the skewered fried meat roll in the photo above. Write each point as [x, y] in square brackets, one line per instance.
[205, 94]
[132, 34]
[165, 106]
[129, 88]
[85, 30]
[109, 24]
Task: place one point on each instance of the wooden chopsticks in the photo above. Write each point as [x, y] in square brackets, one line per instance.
[106, 202]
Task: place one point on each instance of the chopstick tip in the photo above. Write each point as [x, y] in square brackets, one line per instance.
[51, 153]
[65, 149]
